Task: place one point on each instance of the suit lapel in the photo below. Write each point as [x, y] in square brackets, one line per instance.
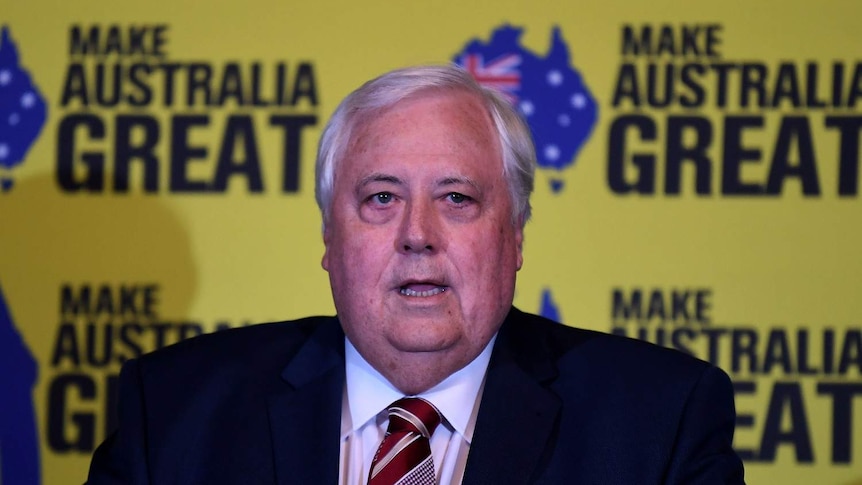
[516, 417]
[305, 413]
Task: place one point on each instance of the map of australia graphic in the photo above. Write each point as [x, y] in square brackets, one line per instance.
[19, 447]
[22, 116]
[548, 91]
[22, 110]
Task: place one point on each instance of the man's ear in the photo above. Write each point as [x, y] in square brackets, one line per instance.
[325, 260]
[519, 242]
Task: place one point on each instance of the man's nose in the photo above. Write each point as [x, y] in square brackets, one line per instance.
[420, 231]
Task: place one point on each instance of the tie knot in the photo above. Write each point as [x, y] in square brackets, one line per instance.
[413, 414]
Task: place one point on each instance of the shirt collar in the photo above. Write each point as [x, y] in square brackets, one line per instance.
[456, 397]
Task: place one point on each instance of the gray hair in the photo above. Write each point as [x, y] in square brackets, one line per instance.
[519, 157]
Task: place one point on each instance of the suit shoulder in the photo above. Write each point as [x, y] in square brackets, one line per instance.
[605, 352]
[265, 344]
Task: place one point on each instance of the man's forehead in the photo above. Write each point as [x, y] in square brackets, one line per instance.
[452, 120]
[425, 102]
[448, 135]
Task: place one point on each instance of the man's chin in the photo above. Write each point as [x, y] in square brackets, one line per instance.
[432, 342]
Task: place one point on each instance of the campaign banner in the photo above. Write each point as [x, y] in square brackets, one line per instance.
[698, 188]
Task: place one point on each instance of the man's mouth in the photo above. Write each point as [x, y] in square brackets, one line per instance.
[422, 290]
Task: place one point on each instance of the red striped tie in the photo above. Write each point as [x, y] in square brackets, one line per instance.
[404, 456]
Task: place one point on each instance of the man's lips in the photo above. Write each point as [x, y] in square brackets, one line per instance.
[422, 289]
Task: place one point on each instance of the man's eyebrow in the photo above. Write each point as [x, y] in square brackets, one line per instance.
[379, 177]
[458, 181]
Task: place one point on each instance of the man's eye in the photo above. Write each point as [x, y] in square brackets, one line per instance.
[382, 198]
[458, 198]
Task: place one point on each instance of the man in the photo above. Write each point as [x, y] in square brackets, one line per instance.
[423, 180]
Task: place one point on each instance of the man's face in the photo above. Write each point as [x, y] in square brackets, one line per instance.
[421, 248]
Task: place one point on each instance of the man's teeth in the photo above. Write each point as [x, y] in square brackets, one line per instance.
[432, 292]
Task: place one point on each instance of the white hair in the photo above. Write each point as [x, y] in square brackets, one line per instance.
[519, 157]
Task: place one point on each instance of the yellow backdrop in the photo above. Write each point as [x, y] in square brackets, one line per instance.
[713, 205]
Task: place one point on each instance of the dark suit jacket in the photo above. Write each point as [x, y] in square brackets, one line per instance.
[262, 405]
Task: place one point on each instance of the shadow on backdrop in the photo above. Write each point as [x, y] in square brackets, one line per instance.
[50, 240]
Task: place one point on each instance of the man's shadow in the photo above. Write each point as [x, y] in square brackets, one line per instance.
[48, 239]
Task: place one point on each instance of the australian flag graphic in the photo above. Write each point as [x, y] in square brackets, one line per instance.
[548, 91]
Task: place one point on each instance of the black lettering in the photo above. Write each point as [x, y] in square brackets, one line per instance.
[855, 86]
[635, 46]
[160, 330]
[656, 307]
[842, 417]
[645, 163]
[293, 126]
[753, 81]
[802, 353]
[743, 346]
[744, 420]
[112, 404]
[696, 153]
[100, 340]
[145, 129]
[722, 70]
[58, 415]
[239, 132]
[74, 305]
[66, 346]
[811, 78]
[786, 86]
[713, 336]
[305, 85]
[681, 339]
[231, 85]
[127, 300]
[793, 128]
[626, 86]
[713, 40]
[837, 84]
[168, 71]
[848, 158]
[666, 43]
[851, 352]
[159, 40]
[688, 79]
[137, 35]
[108, 84]
[200, 78]
[81, 44]
[105, 301]
[150, 300]
[656, 96]
[130, 334]
[777, 352]
[256, 91]
[679, 305]
[182, 153]
[94, 162]
[735, 155]
[702, 304]
[75, 86]
[114, 41]
[786, 402]
[690, 34]
[620, 310]
[828, 351]
[139, 80]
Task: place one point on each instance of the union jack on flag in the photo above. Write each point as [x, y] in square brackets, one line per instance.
[501, 74]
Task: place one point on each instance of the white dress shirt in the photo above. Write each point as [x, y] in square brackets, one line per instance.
[364, 417]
